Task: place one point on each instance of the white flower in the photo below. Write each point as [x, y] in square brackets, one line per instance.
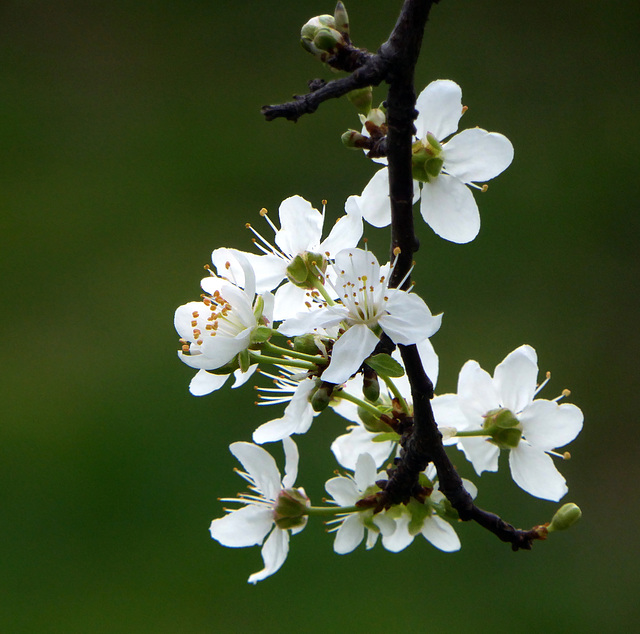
[250, 524]
[300, 232]
[422, 518]
[470, 157]
[346, 491]
[366, 304]
[504, 408]
[220, 326]
[359, 439]
[298, 414]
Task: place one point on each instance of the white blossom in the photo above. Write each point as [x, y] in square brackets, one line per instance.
[504, 406]
[346, 491]
[215, 330]
[250, 524]
[470, 157]
[367, 307]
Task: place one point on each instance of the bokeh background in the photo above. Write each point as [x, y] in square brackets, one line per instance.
[131, 145]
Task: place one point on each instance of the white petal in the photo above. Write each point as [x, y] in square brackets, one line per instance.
[477, 393]
[547, 425]
[303, 323]
[184, 316]
[348, 447]
[534, 471]
[482, 454]
[447, 412]
[289, 301]
[439, 108]
[429, 358]
[291, 458]
[365, 474]
[242, 377]
[260, 465]
[347, 231]
[342, 490]
[300, 226]
[349, 535]
[274, 554]
[515, 378]
[374, 201]
[409, 319]
[448, 207]
[349, 352]
[476, 156]
[270, 270]
[205, 383]
[440, 534]
[220, 349]
[401, 537]
[246, 526]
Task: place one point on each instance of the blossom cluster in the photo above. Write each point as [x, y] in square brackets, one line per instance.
[309, 314]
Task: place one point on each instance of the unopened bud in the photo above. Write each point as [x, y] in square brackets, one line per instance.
[322, 397]
[290, 510]
[566, 516]
[244, 360]
[306, 344]
[371, 386]
[304, 269]
[354, 140]
[327, 39]
[261, 334]
[361, 98]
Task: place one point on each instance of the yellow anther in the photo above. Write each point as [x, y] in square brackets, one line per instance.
[566, 455]
[566, 393]
[263, 212]
[397, 251]
[324, 202]
[484, 188]
[464, 109]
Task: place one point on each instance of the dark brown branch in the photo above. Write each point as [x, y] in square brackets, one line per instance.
[421, 442]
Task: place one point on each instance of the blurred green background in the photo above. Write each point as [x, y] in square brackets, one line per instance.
[132, 145]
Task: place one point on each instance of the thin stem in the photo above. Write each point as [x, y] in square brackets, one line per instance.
[396, 392]
[294, 363]
[333, 510]
[345, 396]
[317, 359]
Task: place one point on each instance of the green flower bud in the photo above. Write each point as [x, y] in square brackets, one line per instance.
[361, 98]
[322, 397]
[310, 29]
[327, 39]
[567, 515]
[353, 140]
[304, 269]
[341, 19]
[306, 344]
[372, 422]
[377, 117]
[371, 386]
[258, 307]
[290, 508]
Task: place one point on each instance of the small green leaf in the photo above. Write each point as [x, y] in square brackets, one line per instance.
[385, 365]
[386, 436]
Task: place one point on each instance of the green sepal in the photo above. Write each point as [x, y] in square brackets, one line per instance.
[305, 344]
[244, 360]
[227, 368]
[385, 365]
[386, 436]
[372, 422]
[261, 334]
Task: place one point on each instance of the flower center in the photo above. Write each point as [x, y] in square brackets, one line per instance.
[427, 159]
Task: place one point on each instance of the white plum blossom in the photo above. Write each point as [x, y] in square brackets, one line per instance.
[367, 307]
[300, 232]
[443, 172]
[502, 412]
[298, 414]
[422, 518]
[358, 439]
[261, 514]
[346, 491]
[215, 330]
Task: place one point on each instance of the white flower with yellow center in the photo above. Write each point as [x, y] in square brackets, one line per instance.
[443, 171]
[366, 307]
